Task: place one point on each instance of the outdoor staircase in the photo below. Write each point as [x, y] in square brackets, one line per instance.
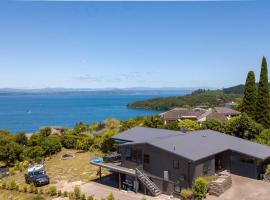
[219, 186]
[154, 190]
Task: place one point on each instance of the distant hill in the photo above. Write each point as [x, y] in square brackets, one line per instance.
[238, 89]
[199, 97]
[98, 91]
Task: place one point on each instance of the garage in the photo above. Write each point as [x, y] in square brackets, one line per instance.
[243, 166]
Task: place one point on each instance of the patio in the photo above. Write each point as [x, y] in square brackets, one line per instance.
[245, 189]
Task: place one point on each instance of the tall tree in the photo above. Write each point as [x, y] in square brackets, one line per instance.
[250, 95]
[263, 99]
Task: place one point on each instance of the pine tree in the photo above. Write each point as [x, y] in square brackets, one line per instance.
[250, 95]
[263, 99]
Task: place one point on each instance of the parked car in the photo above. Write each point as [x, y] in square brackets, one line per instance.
[38, 178]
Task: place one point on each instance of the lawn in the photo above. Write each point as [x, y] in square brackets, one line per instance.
[13, 195]
[76, 169]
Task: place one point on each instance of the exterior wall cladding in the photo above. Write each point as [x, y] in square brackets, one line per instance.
[159, 161]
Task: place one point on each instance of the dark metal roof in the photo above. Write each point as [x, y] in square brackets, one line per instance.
[194, 145]
[139, 134]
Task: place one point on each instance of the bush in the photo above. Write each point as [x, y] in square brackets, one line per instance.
[91, 197]
[38, 198]
[12, 185]
[25, 188]
[36, 190]
[199, 188]
[186, 193]
[143, 198]
[110, 197]
[83, 197]
[31, 188]
[11, 171]
[4, 185]
[65, 194]
[52, 191]
[51, 144]
[17, 188]
[209, 179]
[267, 172]
[41, 191]
[77, 192]
[59, 193]
[71, 195]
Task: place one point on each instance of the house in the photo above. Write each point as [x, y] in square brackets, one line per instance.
[158, 161]
[199, 114]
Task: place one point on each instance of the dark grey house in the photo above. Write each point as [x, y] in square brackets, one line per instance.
[158, 160]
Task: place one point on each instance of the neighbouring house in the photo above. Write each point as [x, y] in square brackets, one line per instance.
[157, 161]
[199, 114]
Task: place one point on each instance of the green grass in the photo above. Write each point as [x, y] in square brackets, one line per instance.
[14, 195]
[70, 170]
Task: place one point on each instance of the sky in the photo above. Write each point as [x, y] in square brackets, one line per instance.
[131, 44]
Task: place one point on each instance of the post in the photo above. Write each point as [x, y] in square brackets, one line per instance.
[136, 185]
[100, 174]
[119, 180]
[144, 189]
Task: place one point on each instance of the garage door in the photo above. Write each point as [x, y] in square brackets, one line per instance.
[243, 166]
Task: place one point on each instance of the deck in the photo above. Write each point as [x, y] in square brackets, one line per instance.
[115, 167]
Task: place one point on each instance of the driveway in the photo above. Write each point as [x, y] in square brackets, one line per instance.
[245, 189]
[100, 191]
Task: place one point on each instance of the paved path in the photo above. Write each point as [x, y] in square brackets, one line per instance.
[245, 189]
[102, 191]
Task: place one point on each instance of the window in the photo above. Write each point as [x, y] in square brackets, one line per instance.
[206, 167]
[128, 154]
[134, 155]
[176, 164]
[146, 158]
[139, 157]
[177, 188]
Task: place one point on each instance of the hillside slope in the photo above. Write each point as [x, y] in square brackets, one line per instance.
[209, 98]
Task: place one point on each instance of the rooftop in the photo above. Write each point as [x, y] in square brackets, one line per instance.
[194, 145]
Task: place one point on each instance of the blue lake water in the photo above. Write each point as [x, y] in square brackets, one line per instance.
[30, 112]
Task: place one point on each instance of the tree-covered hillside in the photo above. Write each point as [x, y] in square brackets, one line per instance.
[202, 97]
[238, 89]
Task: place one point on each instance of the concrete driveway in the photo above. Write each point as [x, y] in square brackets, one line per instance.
[101, 191]
[245, 189]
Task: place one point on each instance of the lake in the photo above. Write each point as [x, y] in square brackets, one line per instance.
[30, 112]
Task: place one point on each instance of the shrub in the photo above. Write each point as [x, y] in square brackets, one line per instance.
[12, 185]
[25, 188]
[209, 179]
[4, 185]
[91, 197]
[83, 197]
[65, 194]
[143, 198]
[110, 196]
[11, 171]
[59, 193]
[71, 195]
[199, 188]
[186, 193]
[37, 197]
[77, 192]
[267, 172]
[41, 191]
[17, 188]
[31, 188]
[52, 191]
[36, 190]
